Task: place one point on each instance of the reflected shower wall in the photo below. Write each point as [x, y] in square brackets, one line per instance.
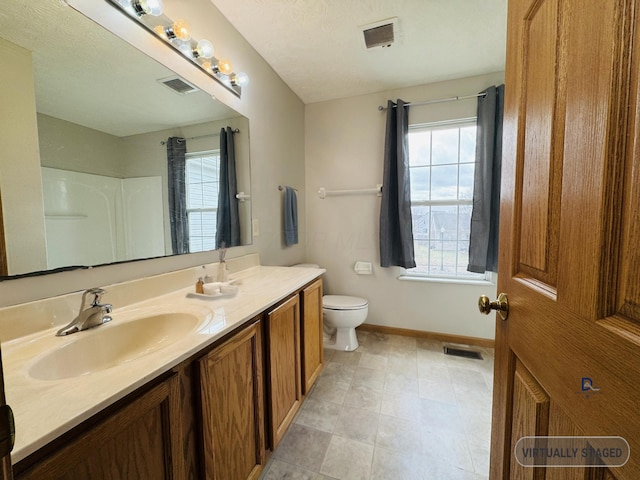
[95, 219]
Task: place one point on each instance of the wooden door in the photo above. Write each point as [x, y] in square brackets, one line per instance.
[311, 335]
[568, 356]
[5, 431]
[283, 367]
[232, 408]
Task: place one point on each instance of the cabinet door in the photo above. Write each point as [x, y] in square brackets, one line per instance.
[232, 408]
[312, 341]
[139, 441]
[283, 366]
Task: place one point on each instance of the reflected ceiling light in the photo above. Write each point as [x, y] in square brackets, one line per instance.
[147, 7]
[224, 66]
[204, 49]
[178, 29]
[240, 79]
[177, 35]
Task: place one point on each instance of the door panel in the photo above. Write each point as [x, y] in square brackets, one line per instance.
[569, 232]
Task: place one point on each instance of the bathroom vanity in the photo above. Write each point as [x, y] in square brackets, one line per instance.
[208, 403]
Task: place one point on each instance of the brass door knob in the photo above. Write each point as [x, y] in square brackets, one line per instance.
[501, 305]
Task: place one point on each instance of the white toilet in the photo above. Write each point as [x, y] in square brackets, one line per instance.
[341, 314]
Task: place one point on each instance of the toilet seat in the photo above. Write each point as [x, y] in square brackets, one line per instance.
[343, 302]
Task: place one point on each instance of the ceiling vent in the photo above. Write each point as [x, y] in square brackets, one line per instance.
[380, 34]
[178, 85]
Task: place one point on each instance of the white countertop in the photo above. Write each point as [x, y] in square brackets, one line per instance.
[45, 409]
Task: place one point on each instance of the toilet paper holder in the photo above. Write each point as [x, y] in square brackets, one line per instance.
[363, 268]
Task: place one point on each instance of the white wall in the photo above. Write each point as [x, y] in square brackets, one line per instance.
[276, 118]
[344, 150]
[20, 182]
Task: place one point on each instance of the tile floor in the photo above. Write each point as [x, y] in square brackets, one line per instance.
[397, 408]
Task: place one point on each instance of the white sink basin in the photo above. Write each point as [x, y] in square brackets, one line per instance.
[122, 340]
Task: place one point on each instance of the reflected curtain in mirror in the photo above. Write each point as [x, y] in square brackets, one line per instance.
[176, 161]
[396, 230]
[227, 222]
[483, 239]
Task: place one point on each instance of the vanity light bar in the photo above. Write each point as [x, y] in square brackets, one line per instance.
[176, 34]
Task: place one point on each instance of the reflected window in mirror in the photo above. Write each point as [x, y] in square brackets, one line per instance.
[202, 182]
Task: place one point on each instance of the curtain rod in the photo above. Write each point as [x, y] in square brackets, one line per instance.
[439, 100]
[237, 130]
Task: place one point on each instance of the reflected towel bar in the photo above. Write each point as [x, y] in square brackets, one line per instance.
[323, 192]
[241, 196]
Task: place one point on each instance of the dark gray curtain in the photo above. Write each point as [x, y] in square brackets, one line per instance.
[396, 230]
[485, 216]
[176, 152]
[228, 222]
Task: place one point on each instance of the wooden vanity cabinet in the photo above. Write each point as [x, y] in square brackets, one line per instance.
[232, 408]
[283, 367]
[311, 334]
[138, 441]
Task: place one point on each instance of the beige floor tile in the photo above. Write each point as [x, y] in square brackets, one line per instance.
[445, 446]
[439, 415]
[429, 344]
[278, 470]
[393, 465]
[401, 382]
[338, 372]
[433, 371]
[400, 435]
[318, 414]
[346, 358]
[404, 342]
[480, 453]
[373, 361]
[441, 391]
[347, 459]
[368, 377]
[304, 447]
[364, 398]
[329, 390]
[357, 424]
[431, 357]
[405, 406]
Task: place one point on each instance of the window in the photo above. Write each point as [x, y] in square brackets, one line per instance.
[202, 178]
[441, 162]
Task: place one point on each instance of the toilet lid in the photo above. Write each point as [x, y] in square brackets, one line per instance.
[343, 302]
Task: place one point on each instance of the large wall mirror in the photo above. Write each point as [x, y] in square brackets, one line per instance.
[84, 123]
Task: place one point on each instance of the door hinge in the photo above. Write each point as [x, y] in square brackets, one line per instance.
[7, 430]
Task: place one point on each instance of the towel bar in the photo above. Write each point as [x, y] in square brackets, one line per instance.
[323, 192]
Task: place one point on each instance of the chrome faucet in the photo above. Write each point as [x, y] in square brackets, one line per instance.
[89, 316]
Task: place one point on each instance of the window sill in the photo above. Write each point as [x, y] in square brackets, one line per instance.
[452, 281]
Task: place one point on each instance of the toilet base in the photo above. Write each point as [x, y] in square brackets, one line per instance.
[344, 339]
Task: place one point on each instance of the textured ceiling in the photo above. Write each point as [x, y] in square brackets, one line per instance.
[86, 75]
[316, 48]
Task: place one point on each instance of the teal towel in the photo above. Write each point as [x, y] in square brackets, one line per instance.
[290, 216]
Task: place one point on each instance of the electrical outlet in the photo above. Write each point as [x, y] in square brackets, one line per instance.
[255, 227]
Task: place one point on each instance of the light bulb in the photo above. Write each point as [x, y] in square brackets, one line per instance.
[240, 79]
[160, 31]
[207, 66]
[179, 30]
[224, 66]
[147, 7]
[185, 48]
[204, 49]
